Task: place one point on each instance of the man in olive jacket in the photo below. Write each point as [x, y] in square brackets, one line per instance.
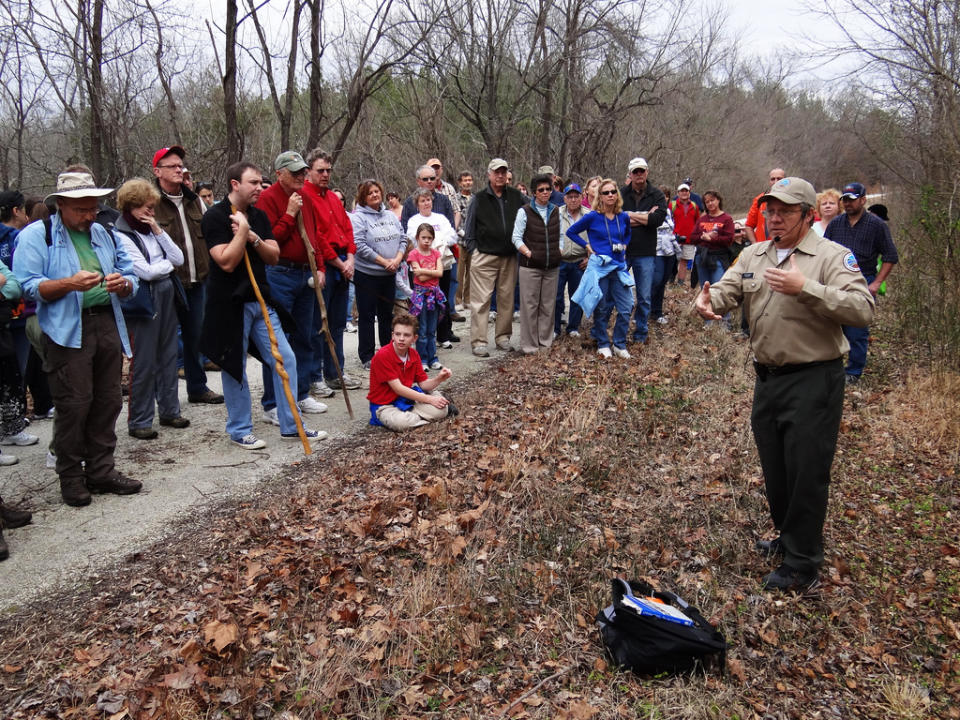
[488, 234]
[179, 212]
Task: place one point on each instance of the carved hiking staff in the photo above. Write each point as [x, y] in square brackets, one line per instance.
[323, 310]
[275, 351]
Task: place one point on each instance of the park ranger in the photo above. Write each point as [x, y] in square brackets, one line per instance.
[798, 290]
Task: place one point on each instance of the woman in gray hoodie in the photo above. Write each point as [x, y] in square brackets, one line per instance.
[381, 246]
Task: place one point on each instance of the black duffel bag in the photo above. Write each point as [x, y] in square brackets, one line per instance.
[652, 637]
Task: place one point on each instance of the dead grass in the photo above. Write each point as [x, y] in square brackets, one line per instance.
[455, 572]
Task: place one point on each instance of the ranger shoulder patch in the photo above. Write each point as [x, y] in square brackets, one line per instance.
[850, 262]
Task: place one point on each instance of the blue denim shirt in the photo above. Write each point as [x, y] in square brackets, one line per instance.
[35, 263]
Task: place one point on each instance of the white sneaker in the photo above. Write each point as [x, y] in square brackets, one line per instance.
[309, 405]
[435, 365]
[446, 345]
[351, 328]
[312, 435]
[51, 461]
[20, 439]
[270, 416]
[493, 315]
[604, 352]
[574, 333]
[621, 352]
[249, 442]
[516, 317]
[663, 320]
[426, 368]
[321, 389]
[8, 460]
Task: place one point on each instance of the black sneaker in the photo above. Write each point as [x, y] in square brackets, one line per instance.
[769, 547]
[452, 410]
[118, 485]
[13, 518]
[4, 551]
[786, 578]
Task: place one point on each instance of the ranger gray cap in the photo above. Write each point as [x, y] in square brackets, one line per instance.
[792, 191]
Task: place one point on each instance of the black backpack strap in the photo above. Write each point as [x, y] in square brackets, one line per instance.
[46, 229]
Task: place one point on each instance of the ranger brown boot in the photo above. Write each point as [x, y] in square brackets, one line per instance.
[74, 492]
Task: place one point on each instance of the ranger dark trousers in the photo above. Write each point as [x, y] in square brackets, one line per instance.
[796, 418]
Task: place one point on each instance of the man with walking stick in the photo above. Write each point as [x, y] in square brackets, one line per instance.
[241, 244]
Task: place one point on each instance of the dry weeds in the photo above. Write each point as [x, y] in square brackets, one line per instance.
[455, 572]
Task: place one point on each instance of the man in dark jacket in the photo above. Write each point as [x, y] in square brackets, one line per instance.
[488, 234]
[647, 208]
[179, 212]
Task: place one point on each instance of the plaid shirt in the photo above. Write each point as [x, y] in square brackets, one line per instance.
[868, 239]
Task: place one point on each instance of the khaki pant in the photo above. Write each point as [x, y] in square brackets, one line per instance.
[487, 271]
[399, 420]
[463, 278]
[538, 300]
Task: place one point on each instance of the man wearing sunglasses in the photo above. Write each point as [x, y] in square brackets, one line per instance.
[647, 208]
[427, 179]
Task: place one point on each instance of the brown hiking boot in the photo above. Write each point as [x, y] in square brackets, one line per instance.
[13, 518]
[118, 485]
[74, 492]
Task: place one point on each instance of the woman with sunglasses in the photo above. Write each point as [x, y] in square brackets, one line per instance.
[606, 282]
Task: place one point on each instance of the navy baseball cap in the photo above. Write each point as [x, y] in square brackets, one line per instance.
[853, 191]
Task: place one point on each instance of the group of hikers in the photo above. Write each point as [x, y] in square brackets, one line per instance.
[182, 283]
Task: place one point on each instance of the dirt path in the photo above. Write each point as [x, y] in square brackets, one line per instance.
[183, 472]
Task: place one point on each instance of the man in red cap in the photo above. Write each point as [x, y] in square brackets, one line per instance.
[179, 213]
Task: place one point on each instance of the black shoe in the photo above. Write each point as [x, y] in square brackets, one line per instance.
[452, 410]
[209, 397]
[13, 518]
[787, 578]
[4, 550]
[457, 317]
[175, 422]
[144, 433]
[118, 485]
[769, 547]
[74, 492]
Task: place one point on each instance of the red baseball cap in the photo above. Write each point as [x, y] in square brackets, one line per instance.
[163, 152]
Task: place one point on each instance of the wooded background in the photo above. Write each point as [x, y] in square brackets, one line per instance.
[583, 85]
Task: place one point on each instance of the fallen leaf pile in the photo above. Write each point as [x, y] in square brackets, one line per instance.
[455, 571]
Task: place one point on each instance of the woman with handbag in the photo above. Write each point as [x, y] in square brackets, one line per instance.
[152, 314]
[13, 403]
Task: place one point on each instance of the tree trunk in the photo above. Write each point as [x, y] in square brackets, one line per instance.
[234, 145]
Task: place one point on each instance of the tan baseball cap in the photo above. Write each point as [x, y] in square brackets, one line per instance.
[792, 191]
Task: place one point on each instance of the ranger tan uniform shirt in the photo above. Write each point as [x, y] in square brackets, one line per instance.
[793, 329]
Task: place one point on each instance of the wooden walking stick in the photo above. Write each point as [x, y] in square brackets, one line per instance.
[311, 258]
[277, 357]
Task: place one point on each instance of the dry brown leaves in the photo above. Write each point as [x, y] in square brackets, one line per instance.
[454, 572]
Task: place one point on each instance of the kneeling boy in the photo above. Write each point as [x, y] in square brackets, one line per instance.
[394, 401]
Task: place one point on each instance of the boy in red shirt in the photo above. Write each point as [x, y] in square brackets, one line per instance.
[394, 401]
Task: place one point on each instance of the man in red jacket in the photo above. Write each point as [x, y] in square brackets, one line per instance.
[291, 219]
[337, 233]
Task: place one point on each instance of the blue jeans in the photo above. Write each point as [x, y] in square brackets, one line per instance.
[427, 335]
[705, 274]
[615, 294]
[290, 290]
[451, 302]
[236, 396]
[569, 277]
[663, 268]
[336, 292]
[859, 339]
[191, 325]
[643, 276]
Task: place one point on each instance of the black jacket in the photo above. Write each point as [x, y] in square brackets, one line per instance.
[643, 241]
